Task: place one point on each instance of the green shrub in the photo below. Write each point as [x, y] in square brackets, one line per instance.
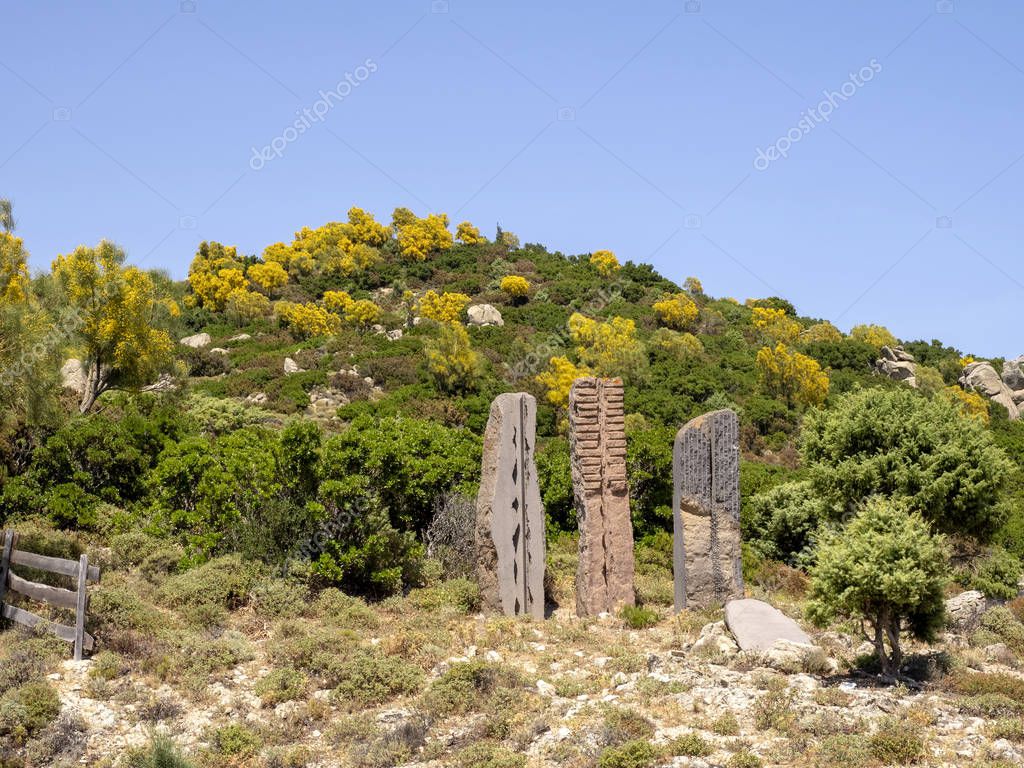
[842, 751]
[996, 575]
[369, 678]
[923, 452]
[285, 684]
[897, 742]
[465, 687]
[234, 740]
[489, 755]
[990, 705]
[161, 752]
[117, 607]
[622, 725]
[462, 595]
[632, 754]
[1001, 623]
[335, 607]
[774, 709]
[1010, 728]
[28, 709]
[744, 759]
[639, 617]
[690, 745]
[26, 660]
[225, 582]
[725, 725]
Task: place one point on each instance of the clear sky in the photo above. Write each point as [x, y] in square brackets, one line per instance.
[688, 135]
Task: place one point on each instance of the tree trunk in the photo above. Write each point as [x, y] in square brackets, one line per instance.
[95, 385]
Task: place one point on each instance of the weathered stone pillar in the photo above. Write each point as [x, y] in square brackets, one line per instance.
[604, 578]
[509, 512]
[706, 518]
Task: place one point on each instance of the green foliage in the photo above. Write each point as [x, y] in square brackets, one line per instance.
[410, 463]
[466, 687]
[369, 678]
[632, 754]
[639, 617]
[897, 742]
[234, 740]
[283, 684]
[898, 444]
[28, 709]
[997, 575]
[160, 753]
[690, 744]
[886, 567]
[782, 523]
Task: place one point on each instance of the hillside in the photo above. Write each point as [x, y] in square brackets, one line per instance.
[276, 460]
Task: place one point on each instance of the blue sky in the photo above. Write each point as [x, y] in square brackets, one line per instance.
[633, 126]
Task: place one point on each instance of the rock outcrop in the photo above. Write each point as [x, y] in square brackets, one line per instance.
[898, 365]
[981, 377]
[758, 626]
[484, 314]
[197, 341]
[73, 376]
[509, 512]
[964, 611]
[597, 428]
[706, 516]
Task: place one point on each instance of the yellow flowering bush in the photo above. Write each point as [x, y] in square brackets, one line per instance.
[452, 360]
[970, 403]
[609, 348]
[443, 308]
[680, 345]
[418, 238]
[244, 306]
[468, 234]
[677, 311]
[605, 263]
[267, 276]
[775, 325]
[796, 378]
[821, 332]
[305, 320]
[877, 336]
[13, 268]
[515, 286]
[558, 378]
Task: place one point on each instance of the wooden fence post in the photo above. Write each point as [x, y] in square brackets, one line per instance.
[5, 563]
[83, 573]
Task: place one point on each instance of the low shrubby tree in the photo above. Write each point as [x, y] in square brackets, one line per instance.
[775, 325]
[467, 234]
[877, 336]
[516, 287]
[792, 376]
[120, 311]
[885, 568]
[456, 367]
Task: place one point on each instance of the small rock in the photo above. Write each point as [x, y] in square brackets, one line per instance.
[197, 341]
[257, 398]
[545, 688]
[395, 335]
[241, 337]
[73, 376]
[963, 612]
[218, 351]
[715, 640]
[493, 657]
[290, 366]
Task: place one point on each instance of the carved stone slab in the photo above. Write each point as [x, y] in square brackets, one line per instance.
[706, 519]
[604, 578]
[509, 511]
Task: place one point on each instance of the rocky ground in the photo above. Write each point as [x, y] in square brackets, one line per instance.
[558, 692]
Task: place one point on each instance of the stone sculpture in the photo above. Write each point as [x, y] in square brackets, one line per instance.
[604, 578]
[706, 517]
[509, 512]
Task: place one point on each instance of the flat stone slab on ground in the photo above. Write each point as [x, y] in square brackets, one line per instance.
[757, 626]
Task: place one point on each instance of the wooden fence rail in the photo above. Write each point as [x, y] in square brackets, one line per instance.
[71, 599]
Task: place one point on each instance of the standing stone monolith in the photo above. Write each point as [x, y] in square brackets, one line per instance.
[509, 512]
[706, 518]
[604, 577]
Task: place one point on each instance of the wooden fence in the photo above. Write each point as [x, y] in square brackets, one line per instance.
[73, 600]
